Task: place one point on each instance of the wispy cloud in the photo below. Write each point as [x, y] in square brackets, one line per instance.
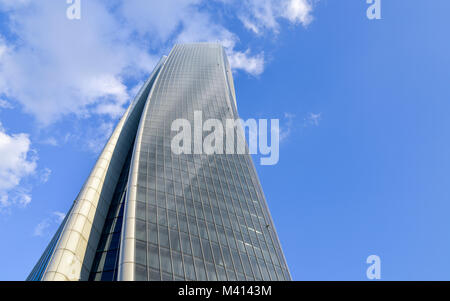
[313, 119]
[43, 228]
[59, 216]
[45, 175]
[50, 141]
[287, 126]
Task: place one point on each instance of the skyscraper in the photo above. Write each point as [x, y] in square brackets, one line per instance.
[146, 213]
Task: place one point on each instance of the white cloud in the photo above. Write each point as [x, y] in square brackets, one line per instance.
[17, 161]
[297, 11]
[251, 64]
[261, 15]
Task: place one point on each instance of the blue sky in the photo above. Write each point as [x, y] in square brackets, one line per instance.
[363, 104]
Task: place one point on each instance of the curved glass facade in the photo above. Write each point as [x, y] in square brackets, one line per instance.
[199, 217]
[188, 216]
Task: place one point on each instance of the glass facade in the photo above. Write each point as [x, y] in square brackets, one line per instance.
[199, 217]
[195, 216]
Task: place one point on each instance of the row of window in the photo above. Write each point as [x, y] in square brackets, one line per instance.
[171, 237]
[226, 216]
[172, 263]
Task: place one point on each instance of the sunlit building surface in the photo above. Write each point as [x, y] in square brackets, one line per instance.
[145, 213]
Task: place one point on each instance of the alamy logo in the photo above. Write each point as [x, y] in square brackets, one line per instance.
[234, 133]
[374, 10]
[74, 10]
[374, 270]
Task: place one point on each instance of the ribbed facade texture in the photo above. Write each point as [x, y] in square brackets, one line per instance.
[148, 214]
